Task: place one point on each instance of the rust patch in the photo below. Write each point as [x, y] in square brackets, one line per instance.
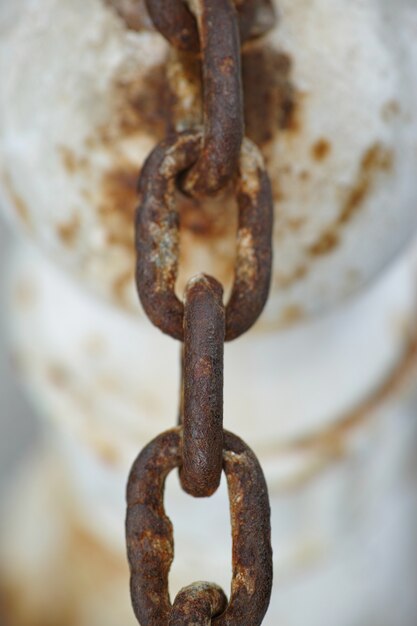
[285, 281]
[271, 100]
[292, 314]
[118, 203]
[390, 110]
[69, 231]
[133, 13]
[377, 159]
[19, 204]
[321, 149]
[325, 244]
[71, 161]
[121, 285]
[296, 223]
[140, 105]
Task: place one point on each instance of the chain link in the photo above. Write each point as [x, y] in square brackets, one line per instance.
[150, 535]
[174, 20]
[202, 163]
[157, 237]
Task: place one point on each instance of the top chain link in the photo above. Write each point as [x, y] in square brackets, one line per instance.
[174, 20]
[213, 28]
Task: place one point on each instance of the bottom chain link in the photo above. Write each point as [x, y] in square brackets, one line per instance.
[197, 604]
[151, 548]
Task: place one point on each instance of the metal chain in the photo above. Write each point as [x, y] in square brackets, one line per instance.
[203, 162]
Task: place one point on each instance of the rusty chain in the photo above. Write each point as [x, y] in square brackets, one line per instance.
[201, 163]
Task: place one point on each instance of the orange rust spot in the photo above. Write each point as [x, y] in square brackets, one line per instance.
[207, 238]
[121, 284]
[68, 232]
[138, 106]
[321, 149]
[19, 204]
[107, 453]
[390, 110]
[325, 244]
[378, 159]
[296, 223]
[292, 314]
[17, 609]
[271, 99]
[119, 199]
[285, 281]
[71, 161]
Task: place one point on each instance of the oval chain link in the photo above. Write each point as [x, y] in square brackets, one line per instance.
[157, 237]
[150, 535]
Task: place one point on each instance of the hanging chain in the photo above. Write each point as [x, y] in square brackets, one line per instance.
[203, 162]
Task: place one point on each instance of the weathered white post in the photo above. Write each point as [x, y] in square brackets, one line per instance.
[322, 388]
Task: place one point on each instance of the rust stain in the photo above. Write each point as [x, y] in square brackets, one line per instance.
[117, 205]
[68, 232]
[292, 314]
[377, 159]
[121, 285]
[271, 99]
[331, 443]
[71, 161]
[106, 452]
[321, 149]
[325, 244]
[17, 610]
[390, 110]
[138, 106]
[284, 281]
[19, 204]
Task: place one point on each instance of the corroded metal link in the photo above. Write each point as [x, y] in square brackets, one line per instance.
[223, 98]
[157, 237]
[175, 22]
[150, 536]
[197, 605]
[204, 330]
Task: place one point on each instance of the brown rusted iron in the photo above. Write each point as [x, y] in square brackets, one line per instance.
[174, 20]
[150, 537]
[223, 98]
[204, 330]
[197, 604]
[157, 237]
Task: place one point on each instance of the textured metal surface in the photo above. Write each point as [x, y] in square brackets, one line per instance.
[150, 534]
[197, 604]
[204, 329]
[176, 22]
[223, 98]
[157, 237]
